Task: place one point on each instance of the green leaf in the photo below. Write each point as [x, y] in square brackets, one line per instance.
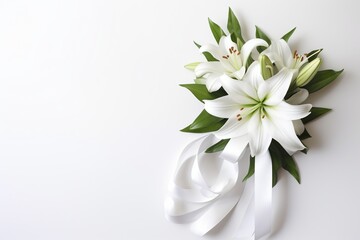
[249, 61]
[315, 113]
[239, 43]
[217, 147]
[290, 165]
[216, 30]
[208, 56]
[287, 161]
[205, 122]
[305, 150]
[212, 128]
[276, 165]
[251, 169]
[313, 54]
[234, 27]
[233, 37]
[287, 36]
[304, 135]
[322, 79]
[260, 34]
[201, 93]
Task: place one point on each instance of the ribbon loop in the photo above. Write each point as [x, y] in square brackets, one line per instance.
[207, 187]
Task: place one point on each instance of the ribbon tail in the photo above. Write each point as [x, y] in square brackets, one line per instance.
[263, 195]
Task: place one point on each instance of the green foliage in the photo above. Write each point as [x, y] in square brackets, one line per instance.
[322, 79]
[201, 93]
[208, 56]
[315, 113]
[276, 165]
[217, 147]
[304, 135]
[287, 36]
[216, 30]
[260, 34]
[234, 28]
[205, 122]
[279, 155]
[251, 168]
[313, 54]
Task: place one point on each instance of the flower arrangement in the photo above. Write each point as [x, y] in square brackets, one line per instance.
[256, 116]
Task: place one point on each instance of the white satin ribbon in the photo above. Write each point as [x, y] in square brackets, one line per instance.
[263, 195]
[255, 203]
[207, 187]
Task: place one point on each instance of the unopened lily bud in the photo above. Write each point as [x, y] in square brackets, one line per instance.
[192, 66]
[266, 67]
[308, 72]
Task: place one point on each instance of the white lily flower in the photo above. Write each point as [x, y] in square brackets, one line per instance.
[257, 112]
[280, 53]
[231, 62]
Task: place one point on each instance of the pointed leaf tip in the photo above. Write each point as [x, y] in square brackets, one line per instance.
[251, 169]
[260, 34]
[313, 54]
[207, 55]
[217, 147]
[216, 30]
[234, 27]
[315, 113]
[203, 123]
[287, 36]
[201, 93]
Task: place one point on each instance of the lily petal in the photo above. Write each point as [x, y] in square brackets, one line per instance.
[213, 82]
[298, 97]
[279, 52]
[285, 52]
[260, 134]
[233, 128]
[240, 91]
[212, 49]
[289, 112]
[278, 87]
[239, 74]
[299, 127]
[222, 107]
[208, 67]
[253, 75]
[285, 134]
[227, 66]
[249, 46]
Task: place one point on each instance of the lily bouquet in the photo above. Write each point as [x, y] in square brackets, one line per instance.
[254, 93]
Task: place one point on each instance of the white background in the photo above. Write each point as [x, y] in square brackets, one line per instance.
[90, 110]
